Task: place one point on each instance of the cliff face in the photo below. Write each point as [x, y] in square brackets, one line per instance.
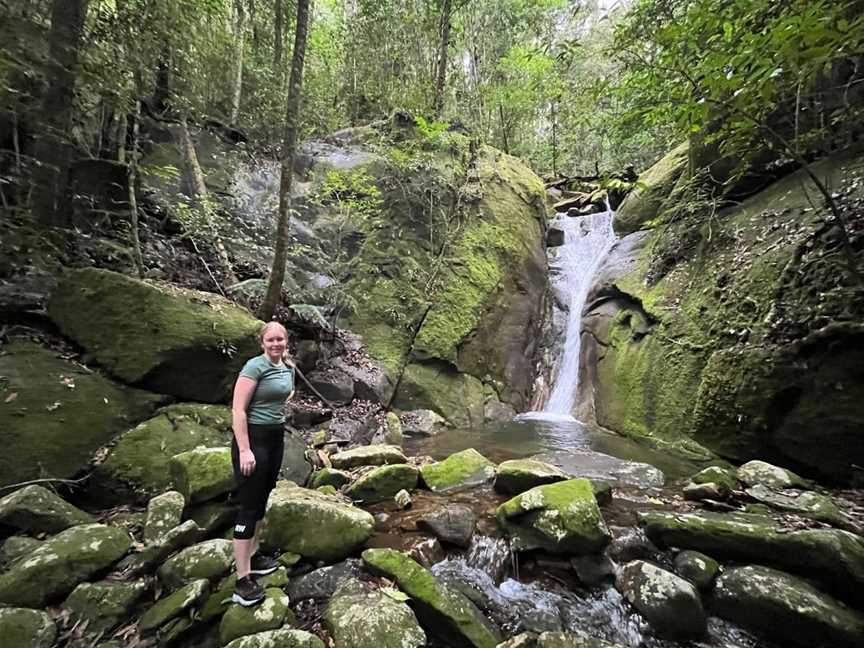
[741, 329]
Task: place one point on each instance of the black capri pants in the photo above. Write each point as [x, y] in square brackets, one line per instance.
[267, 443]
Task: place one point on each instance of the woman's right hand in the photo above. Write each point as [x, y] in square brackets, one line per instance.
[247, 462]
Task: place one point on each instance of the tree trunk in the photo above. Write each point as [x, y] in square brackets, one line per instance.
[195, 187]
[162, 92]
[238, 61]
[279, 37]
[54, 151]
[441, 77]
[292, 118]
[132, 178]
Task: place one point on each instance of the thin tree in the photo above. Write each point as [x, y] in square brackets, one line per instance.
[278, 37]
[240, 41]
[292, 117]
[441, 76]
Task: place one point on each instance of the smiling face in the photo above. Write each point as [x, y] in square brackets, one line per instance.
[274, 341]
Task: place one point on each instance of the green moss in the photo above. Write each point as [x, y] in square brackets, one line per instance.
[459, 470]
[459, 398]
[383, 483]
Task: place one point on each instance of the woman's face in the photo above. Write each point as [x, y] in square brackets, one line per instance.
[273, 343]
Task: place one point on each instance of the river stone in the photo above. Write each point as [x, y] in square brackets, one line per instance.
[239, 621]
[422, 422]
[697, 568]
[460, 470]
[358, 617]
[804, 503]
[203, 473]
[314, 525]
[716, 475]
[329, 477]
[518, 475]
[35, 509]
[150, 333]
[165, 609]
[218, 601]
[282, 638]
[295, 465]
[831, 557]
[382, 483]
[669, 603]
[16, 547]
[562, 518]
[445, 614]
[322, 583]
[785, 608]
[210, 559]
[578, 462]
[593, 570]
[137, 467]
[25, 628]
[631, 543]
[60, 563]
[104, 604]
[156, 552]
[370, 380]
[335, 386]
[372, 455]
[453, 523]
[54, 415]
[707, 491]
[164, 512]
[766, 474]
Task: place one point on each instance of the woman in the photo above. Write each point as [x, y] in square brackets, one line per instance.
[261, 392]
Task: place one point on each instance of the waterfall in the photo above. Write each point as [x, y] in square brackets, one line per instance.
[572, 266]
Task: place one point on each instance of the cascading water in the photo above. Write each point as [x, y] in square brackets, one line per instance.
[573, 266]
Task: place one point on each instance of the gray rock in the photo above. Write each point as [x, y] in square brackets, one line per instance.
[804, 503]
[165, 609]
[761, 472]
[25, 628]
[402, 499]
[382, 483]
[336, 386]
[164, 512]
[705, 491]
[716, 475]
[323, 583]
[35, 509]
[180, 536]
[422, 422]
[372, 455]
[359, 617]
[670, 604]
[518, 475]
[239, 621]
[295, 466]
[104, 604]
[578, 462]
[283, 638]
[330, 477]
[209, 560]
[370, 380]
[554, 237]
[203, 473]
[697, 568]
[785, 608]
[16, 547]
[631, 543]
[593, 570]
[453, 524]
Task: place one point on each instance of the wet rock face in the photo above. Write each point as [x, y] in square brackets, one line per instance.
[358, 617]
[786, 608]
[670, 604]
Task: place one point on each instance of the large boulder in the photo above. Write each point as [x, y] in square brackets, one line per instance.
[137, 466]
[202, 473]
[322, 583]
[358, 617]
[210, 560]
[453, 524]
[170, 607]
[382, 483]
[562, 518]
[460, 470]
[35, 509]
[59, 564]
[831, 557]
[164, 512]
[371, 455]
[785, 608]
[670, 604]
[518, 475]
[54, 414]
[158, 550]
[25, 628]
[762, 473]
[104, 604]
[445, 613]
[149, 333]
[314, 525]
[270, 614]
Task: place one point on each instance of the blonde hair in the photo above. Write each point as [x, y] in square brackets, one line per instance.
[286, 357]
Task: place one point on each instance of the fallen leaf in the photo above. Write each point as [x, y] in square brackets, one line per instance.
[11, 397]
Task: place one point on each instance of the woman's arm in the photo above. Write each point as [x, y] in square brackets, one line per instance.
[243, 390]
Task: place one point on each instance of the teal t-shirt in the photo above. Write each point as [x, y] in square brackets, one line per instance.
[275, 382]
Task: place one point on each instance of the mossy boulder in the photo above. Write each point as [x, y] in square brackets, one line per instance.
[164, 512]
[460, 470]
[25, 628]
[804, 503]
[762, 473]
[137, 466]
[383, 482]
[371, 455]
[104, 604]
[312, 524]
[444, 613]
[158, 550]
[830, 557]
[723, 477]
[645, 202]
[562, 518]
[219, 600]
[60, 563]
[54, 414]
[282, 638]
[270, 614]
[203, 473]
[357, 617]
[148, 333]
[518, 475]
[458, 397]
[35, 509]
[173, 605]
[210, 559]
[785, 608]
[16, 547]
[329, 477]
[669, 603]
[696, 567]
